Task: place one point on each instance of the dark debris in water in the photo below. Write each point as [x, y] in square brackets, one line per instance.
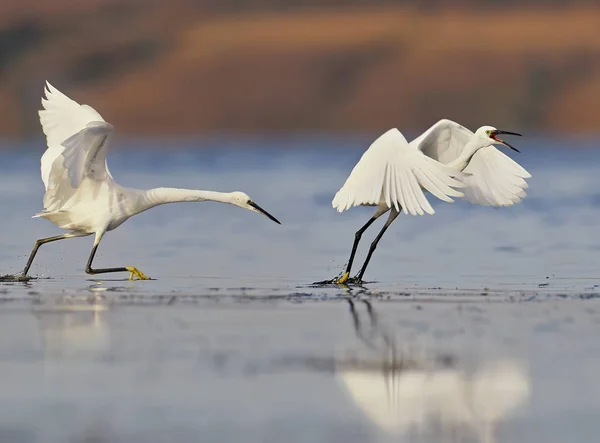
[351, 282]
[15, 278]
[561, 296]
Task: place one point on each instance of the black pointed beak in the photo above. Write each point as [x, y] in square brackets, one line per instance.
[497, 132]
[262, 211]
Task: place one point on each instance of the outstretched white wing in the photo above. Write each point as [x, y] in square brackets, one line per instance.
[84, 157]
[61, 118]
[395, 173]
[444, 141]
[492, 178]
[77, 137]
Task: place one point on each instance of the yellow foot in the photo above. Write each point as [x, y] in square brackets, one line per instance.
[136, 272]
[343, 279]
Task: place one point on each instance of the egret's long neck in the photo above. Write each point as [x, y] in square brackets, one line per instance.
[474, 145]
[161, 196]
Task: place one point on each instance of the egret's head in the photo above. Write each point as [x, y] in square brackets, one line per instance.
[242, 200]
[490, 134]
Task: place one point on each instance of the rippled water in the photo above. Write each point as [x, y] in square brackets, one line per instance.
[485, 324]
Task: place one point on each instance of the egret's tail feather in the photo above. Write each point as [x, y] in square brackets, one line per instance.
[59, 218]
[40, 214]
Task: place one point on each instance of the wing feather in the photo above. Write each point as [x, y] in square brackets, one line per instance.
[377, 189]
[432, 184]
[396, 197]
[409, 201]
[388, 186]
[418, 197]
[77, 138]
[405, 201]
[444, 141]
[395, 174]
[428, 184]
[494, 179]
[60, 119]
[84, 157]
[491, 177]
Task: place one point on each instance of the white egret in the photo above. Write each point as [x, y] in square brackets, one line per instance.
[81, 195]
[393, 174]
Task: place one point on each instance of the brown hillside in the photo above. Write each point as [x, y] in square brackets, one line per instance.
[169, 68]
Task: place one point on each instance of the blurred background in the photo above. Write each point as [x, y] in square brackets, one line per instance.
[187, 67]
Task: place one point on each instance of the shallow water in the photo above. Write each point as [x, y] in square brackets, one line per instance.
[486, 328]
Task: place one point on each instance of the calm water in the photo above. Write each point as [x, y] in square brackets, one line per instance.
[485, 325]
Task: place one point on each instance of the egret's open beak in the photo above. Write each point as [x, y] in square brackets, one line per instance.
[262, 211]
[494, 136]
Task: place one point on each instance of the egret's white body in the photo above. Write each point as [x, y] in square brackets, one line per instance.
[81, 194]
[447, 160]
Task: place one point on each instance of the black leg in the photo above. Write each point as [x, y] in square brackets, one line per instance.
[391, 218]
[357, 237]
[39, 243]
[131, 269]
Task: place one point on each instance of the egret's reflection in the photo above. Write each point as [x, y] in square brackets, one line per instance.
[431, 396]
[70, 329]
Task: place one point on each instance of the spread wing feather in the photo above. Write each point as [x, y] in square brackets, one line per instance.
[394, 173]
[491, 177]
[77, 137]
[494, 179]
[83, 157]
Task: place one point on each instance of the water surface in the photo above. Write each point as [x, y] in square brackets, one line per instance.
[485, 328]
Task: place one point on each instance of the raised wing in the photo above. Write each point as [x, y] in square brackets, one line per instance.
[393, 173]
[61, 118]
[492, 178]
[444, 141]
[83, 157]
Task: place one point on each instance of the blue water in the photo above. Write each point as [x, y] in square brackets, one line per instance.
[231, 342]
[551, 234]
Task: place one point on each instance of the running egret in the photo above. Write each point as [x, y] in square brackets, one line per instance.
[393, 174]
[81, 195]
